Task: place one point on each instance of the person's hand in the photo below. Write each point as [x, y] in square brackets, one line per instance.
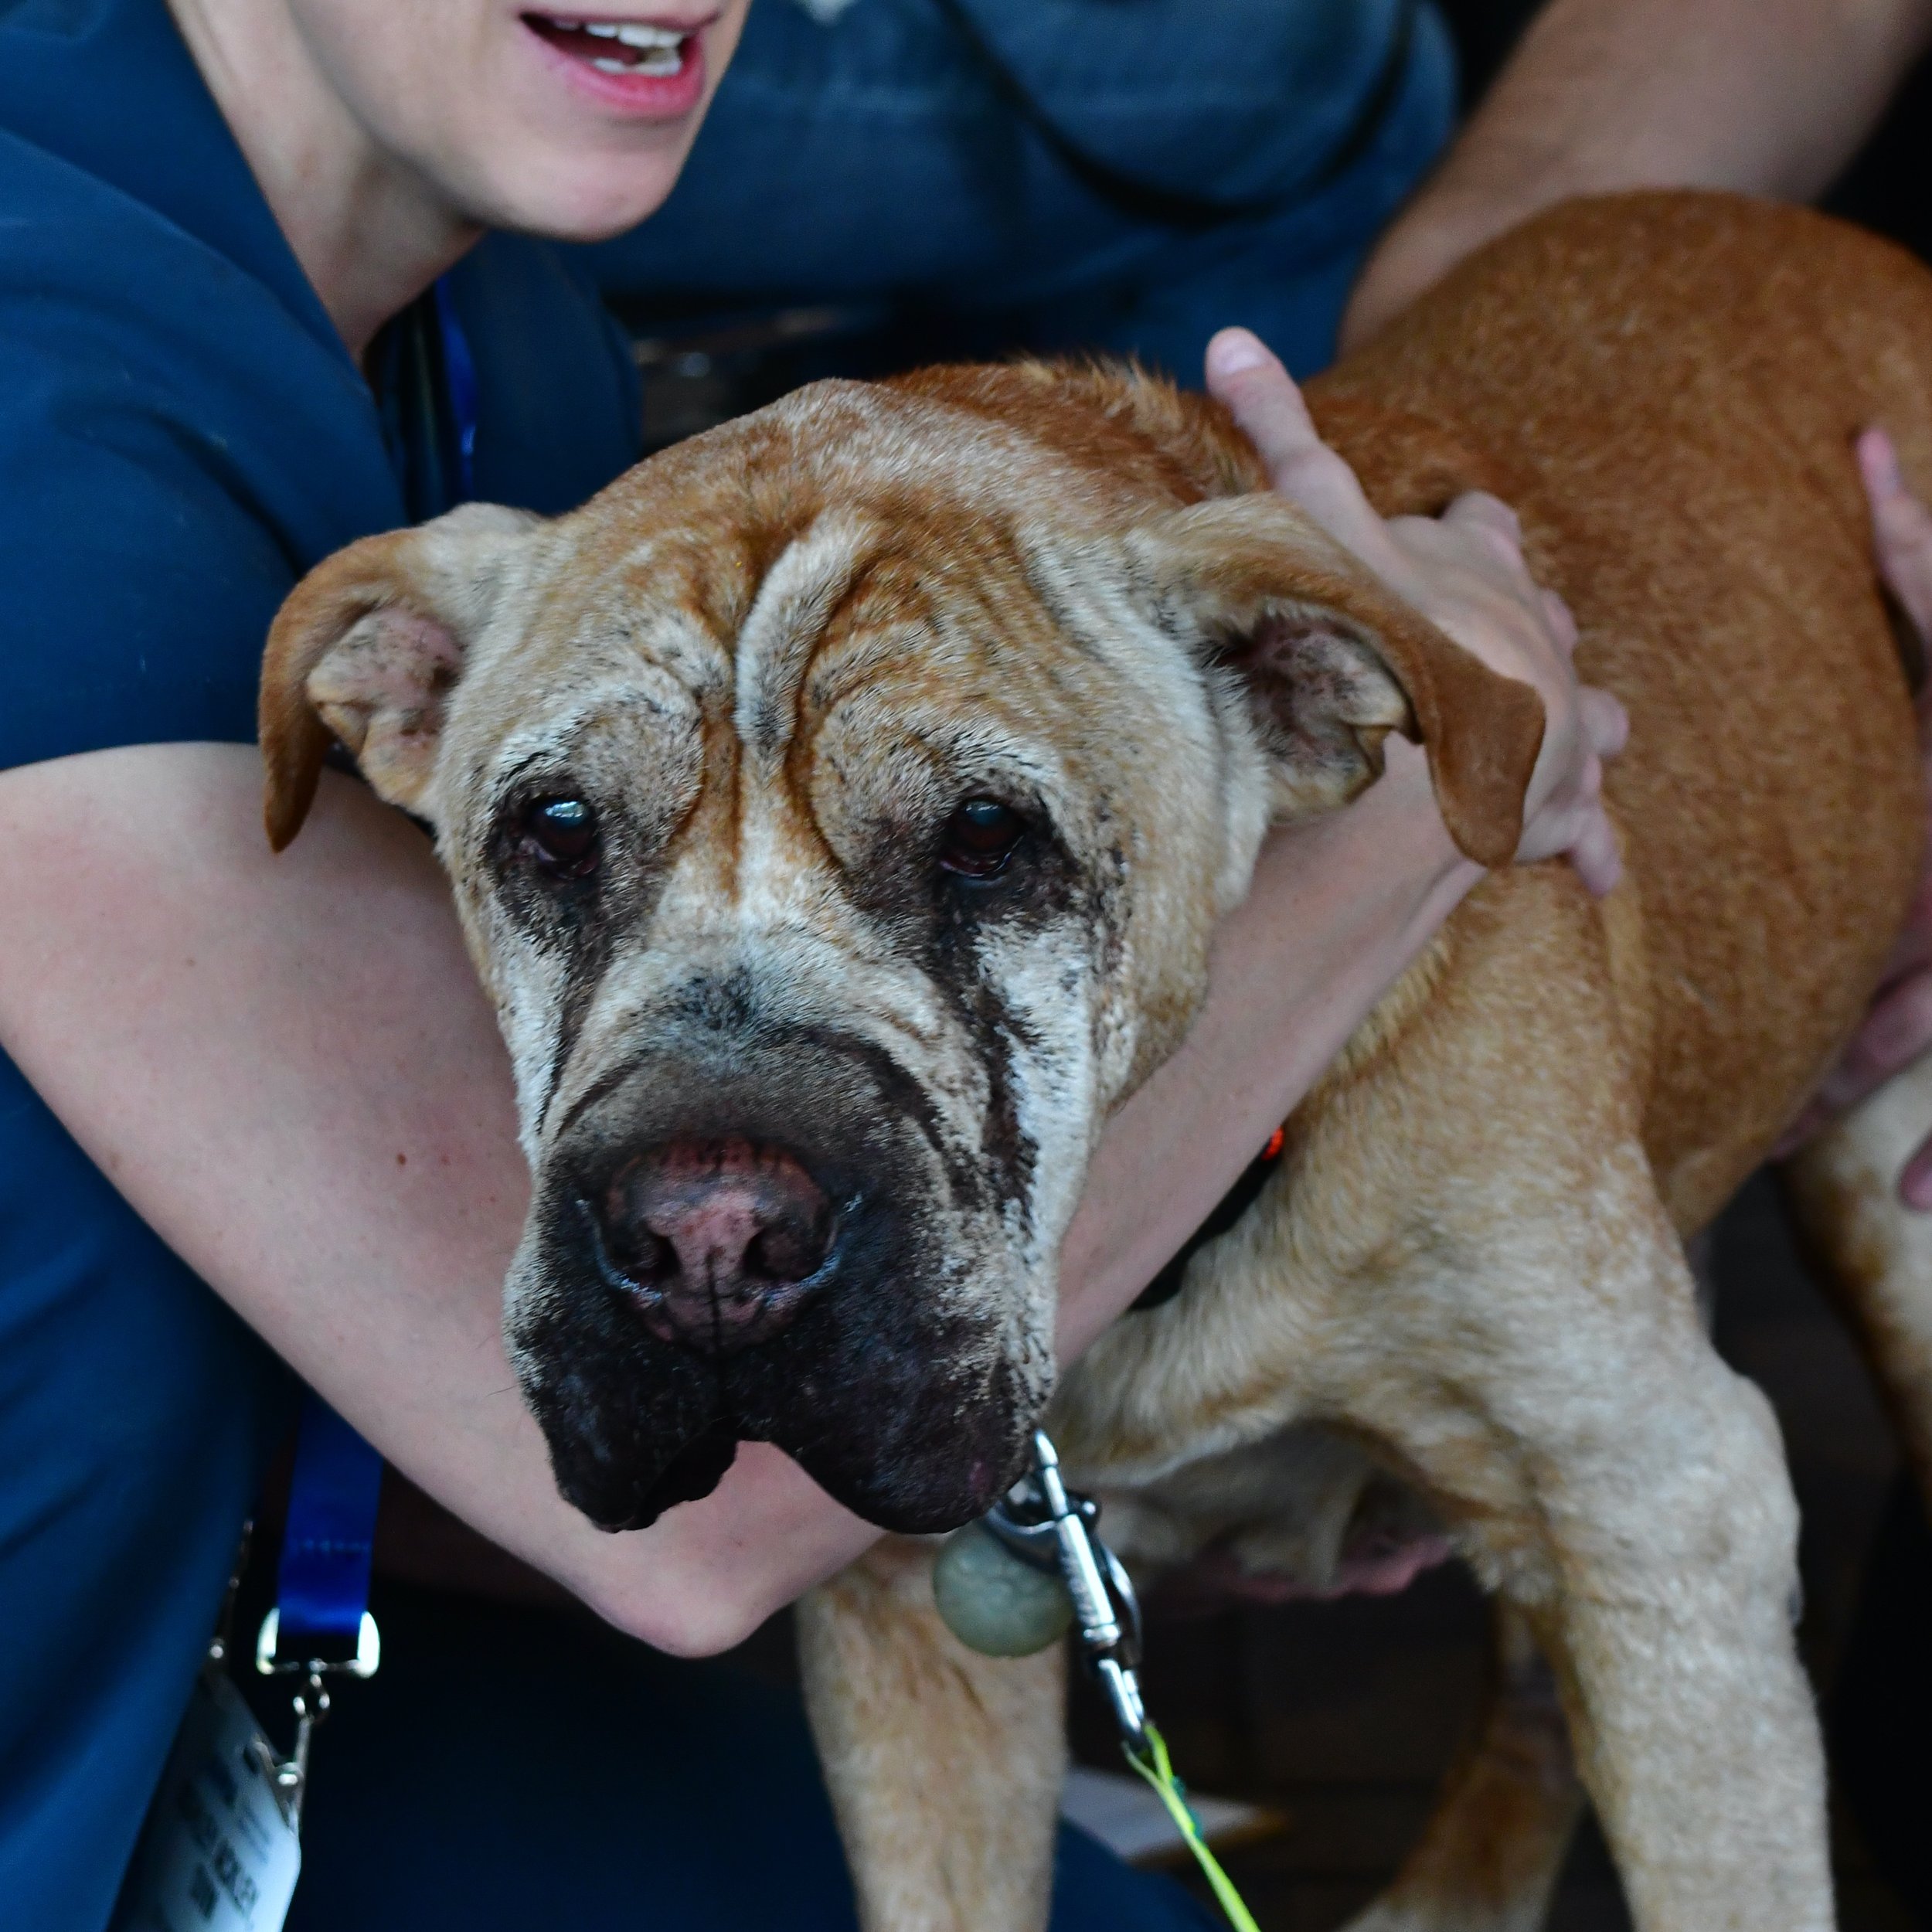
[1465, 572]
[1898, 1028]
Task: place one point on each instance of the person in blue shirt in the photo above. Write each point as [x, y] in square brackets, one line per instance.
[254, 1110]
[960, 177]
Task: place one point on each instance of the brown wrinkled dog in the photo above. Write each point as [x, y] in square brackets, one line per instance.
[839, 808]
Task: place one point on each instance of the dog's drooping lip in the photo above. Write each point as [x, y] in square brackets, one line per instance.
[868, 1370]
[636, 1427]
[636, 1424]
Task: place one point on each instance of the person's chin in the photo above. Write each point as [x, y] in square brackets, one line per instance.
[588, 195]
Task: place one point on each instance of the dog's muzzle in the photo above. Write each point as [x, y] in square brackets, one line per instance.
[764, 1243]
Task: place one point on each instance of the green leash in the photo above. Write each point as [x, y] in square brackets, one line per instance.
[1052, 1528]
[1158, 1771]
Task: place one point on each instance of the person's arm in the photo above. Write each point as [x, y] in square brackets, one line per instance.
[287, 1067]
[1769, 96]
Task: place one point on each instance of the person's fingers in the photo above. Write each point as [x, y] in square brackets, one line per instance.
[1589, 781]
[1605, 722]
[1563, 624]
[1896, 1030]
[1464, 571]
[1913, 948]
[1915, 1183]
[1901, 529]
[1479, 504]
[1494, 523]
[1598, 860]
[1246, 375]
[1250, 378]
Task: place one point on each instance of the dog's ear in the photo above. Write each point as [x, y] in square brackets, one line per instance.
[1333, 662]
[367, 648]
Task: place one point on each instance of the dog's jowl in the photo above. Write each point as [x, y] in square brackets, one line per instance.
[839, 808]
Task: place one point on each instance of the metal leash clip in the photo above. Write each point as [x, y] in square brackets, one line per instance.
[1046, 1523]
[1049, 1528]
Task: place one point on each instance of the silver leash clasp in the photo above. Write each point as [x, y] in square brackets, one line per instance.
[1045, 1523]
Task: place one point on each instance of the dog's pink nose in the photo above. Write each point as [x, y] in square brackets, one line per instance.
[717, 1238]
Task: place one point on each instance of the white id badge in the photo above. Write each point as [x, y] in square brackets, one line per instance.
[218, 1853]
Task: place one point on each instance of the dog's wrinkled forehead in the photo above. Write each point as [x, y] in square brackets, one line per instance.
[849, 544]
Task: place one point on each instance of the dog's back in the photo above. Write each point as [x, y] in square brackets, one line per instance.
[1667, 387]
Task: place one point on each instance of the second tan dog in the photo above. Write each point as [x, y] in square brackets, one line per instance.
[839, 808]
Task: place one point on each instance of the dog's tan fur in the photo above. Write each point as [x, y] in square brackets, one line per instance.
[1470, 1262]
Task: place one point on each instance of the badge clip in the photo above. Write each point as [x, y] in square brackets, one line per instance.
[310, 1703]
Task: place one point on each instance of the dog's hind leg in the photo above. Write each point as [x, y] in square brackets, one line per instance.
[1492, 1851]
[944, 1766]
[1873, 1251]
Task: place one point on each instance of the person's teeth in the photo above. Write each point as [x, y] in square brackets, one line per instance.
[650, 50]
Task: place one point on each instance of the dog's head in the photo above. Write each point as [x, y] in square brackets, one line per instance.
[838, 808]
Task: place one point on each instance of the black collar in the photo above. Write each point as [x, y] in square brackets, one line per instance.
[1233, 1204]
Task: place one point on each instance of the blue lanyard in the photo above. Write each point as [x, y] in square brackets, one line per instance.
[321, 1584]
[459, 381]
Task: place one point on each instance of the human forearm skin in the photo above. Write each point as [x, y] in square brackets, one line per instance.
[1767, 96]
[287, 1067]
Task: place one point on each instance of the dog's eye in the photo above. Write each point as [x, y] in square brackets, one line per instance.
[564, 832]
[979, 838]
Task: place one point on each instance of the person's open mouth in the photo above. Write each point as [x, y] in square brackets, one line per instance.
[652, 64]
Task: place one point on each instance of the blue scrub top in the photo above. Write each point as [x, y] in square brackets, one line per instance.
[965, 177]
[182, 433]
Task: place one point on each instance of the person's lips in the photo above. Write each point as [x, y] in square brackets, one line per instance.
[655, 67]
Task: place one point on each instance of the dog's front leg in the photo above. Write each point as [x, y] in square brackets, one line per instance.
[1661, 1590]
[944, 1766]
[1626, 1492]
